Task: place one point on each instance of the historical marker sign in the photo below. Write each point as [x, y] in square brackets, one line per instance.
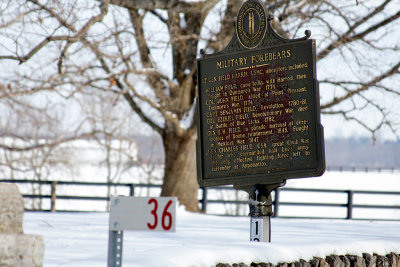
[258, 107]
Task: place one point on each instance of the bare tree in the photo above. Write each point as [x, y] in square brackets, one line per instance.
[357, 57]
[144, 53]
[28, 143]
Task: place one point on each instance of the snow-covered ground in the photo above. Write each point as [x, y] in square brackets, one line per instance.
[80, 240]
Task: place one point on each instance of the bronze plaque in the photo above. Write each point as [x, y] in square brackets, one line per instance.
[259, 116]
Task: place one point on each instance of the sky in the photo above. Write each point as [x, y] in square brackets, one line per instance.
[334, 126]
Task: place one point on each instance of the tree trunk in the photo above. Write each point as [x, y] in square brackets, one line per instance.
[180, 177]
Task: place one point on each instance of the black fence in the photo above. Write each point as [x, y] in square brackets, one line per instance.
[50, 194]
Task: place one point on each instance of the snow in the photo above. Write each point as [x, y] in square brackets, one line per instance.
[80, 239]
[376, 181]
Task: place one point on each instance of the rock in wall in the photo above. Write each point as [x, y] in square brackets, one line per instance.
[367, 260]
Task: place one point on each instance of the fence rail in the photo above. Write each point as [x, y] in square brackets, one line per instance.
[205, 201]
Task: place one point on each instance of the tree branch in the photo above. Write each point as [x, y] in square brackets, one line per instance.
[54, 15]
[71, 39]
[347, 38]
[180, 6]
[363, 87]
[54, 143]
[124, 92]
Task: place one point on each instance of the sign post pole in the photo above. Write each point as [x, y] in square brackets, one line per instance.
[115, 241]
[260, 204]
[260, 215]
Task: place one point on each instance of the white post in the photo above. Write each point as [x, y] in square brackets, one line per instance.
[260, 229]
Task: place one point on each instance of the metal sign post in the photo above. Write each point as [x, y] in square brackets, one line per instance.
[260, 203]
[115, 241]
[260, 216]
[140, 214]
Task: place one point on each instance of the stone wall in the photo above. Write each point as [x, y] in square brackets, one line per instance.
[367, 260]
[16, 248]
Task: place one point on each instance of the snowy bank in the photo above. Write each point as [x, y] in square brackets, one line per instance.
[80, 239]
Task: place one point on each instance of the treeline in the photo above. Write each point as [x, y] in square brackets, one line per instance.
[339, 152]
[362, 152]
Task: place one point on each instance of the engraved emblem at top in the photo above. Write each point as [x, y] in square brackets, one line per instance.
[251, 24]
